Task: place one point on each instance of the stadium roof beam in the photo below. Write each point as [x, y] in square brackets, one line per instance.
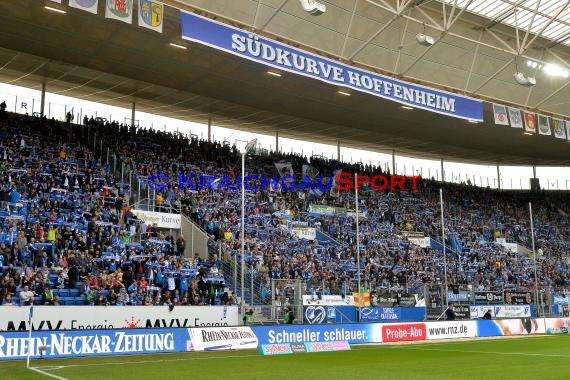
[548, 23]
[128, 95]
[349, 28]
[272, 15]
[507, 49]
[544, 9]
[41, 64]
[447, 26]
[551, 95]
[475, 56]
[497, 19]
[397, 15]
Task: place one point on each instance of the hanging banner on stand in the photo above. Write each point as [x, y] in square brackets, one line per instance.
[268, 52]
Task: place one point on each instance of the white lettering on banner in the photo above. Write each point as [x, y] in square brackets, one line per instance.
[387, 88]
[143, 342]
[62, 345]
[309, 233]
[388, 313]
[424, 242]
[266, 51]
[101, 317]
[338, 75]
[329, 300]
[512, 311]
[161, 219]
[68, 344]
[238, 43]
[477, 312]
[307, 335]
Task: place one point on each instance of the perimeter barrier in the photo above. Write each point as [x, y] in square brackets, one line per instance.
[73, 343]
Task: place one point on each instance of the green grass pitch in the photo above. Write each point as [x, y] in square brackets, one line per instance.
[544, 358]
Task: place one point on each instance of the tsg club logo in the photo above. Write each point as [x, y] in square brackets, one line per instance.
[315, 315]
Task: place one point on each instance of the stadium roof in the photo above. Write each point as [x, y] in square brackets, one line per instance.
[87, 56]
[547, 18]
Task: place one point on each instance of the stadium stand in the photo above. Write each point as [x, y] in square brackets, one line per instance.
[69, 235]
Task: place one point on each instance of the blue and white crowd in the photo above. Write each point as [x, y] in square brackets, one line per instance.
[68, 234]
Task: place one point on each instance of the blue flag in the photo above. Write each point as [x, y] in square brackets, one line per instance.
[31, 314]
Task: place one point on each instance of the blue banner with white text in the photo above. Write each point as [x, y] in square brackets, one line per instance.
[392, 314]
[283, 334]
[72, 343]
[284, 57]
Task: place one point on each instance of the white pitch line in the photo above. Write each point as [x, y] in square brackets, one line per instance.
[487, 352]
[47, 373]
[50, 368]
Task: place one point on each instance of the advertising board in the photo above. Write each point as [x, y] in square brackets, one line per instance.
[115, 317]
[222, 338]
[62, 344]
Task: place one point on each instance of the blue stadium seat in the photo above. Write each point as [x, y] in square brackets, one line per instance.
[79, 301]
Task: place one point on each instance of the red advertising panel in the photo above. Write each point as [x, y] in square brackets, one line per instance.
[404, 332]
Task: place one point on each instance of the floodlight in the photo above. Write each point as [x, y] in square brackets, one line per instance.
[524, 80]
[424, 39]
[313, 7]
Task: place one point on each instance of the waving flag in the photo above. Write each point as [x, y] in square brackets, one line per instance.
[312, 173]
[284, 167]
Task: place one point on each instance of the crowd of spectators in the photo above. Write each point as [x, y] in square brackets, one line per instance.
[71, 214]
[475, 217]
[68, 235]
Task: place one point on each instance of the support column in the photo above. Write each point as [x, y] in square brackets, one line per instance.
[533, 171]
[498, 178]
[133, 115]
[338, 150]
[393, 162]
[43, 103]
[277, 141]
[442, 173]
[210, 129]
